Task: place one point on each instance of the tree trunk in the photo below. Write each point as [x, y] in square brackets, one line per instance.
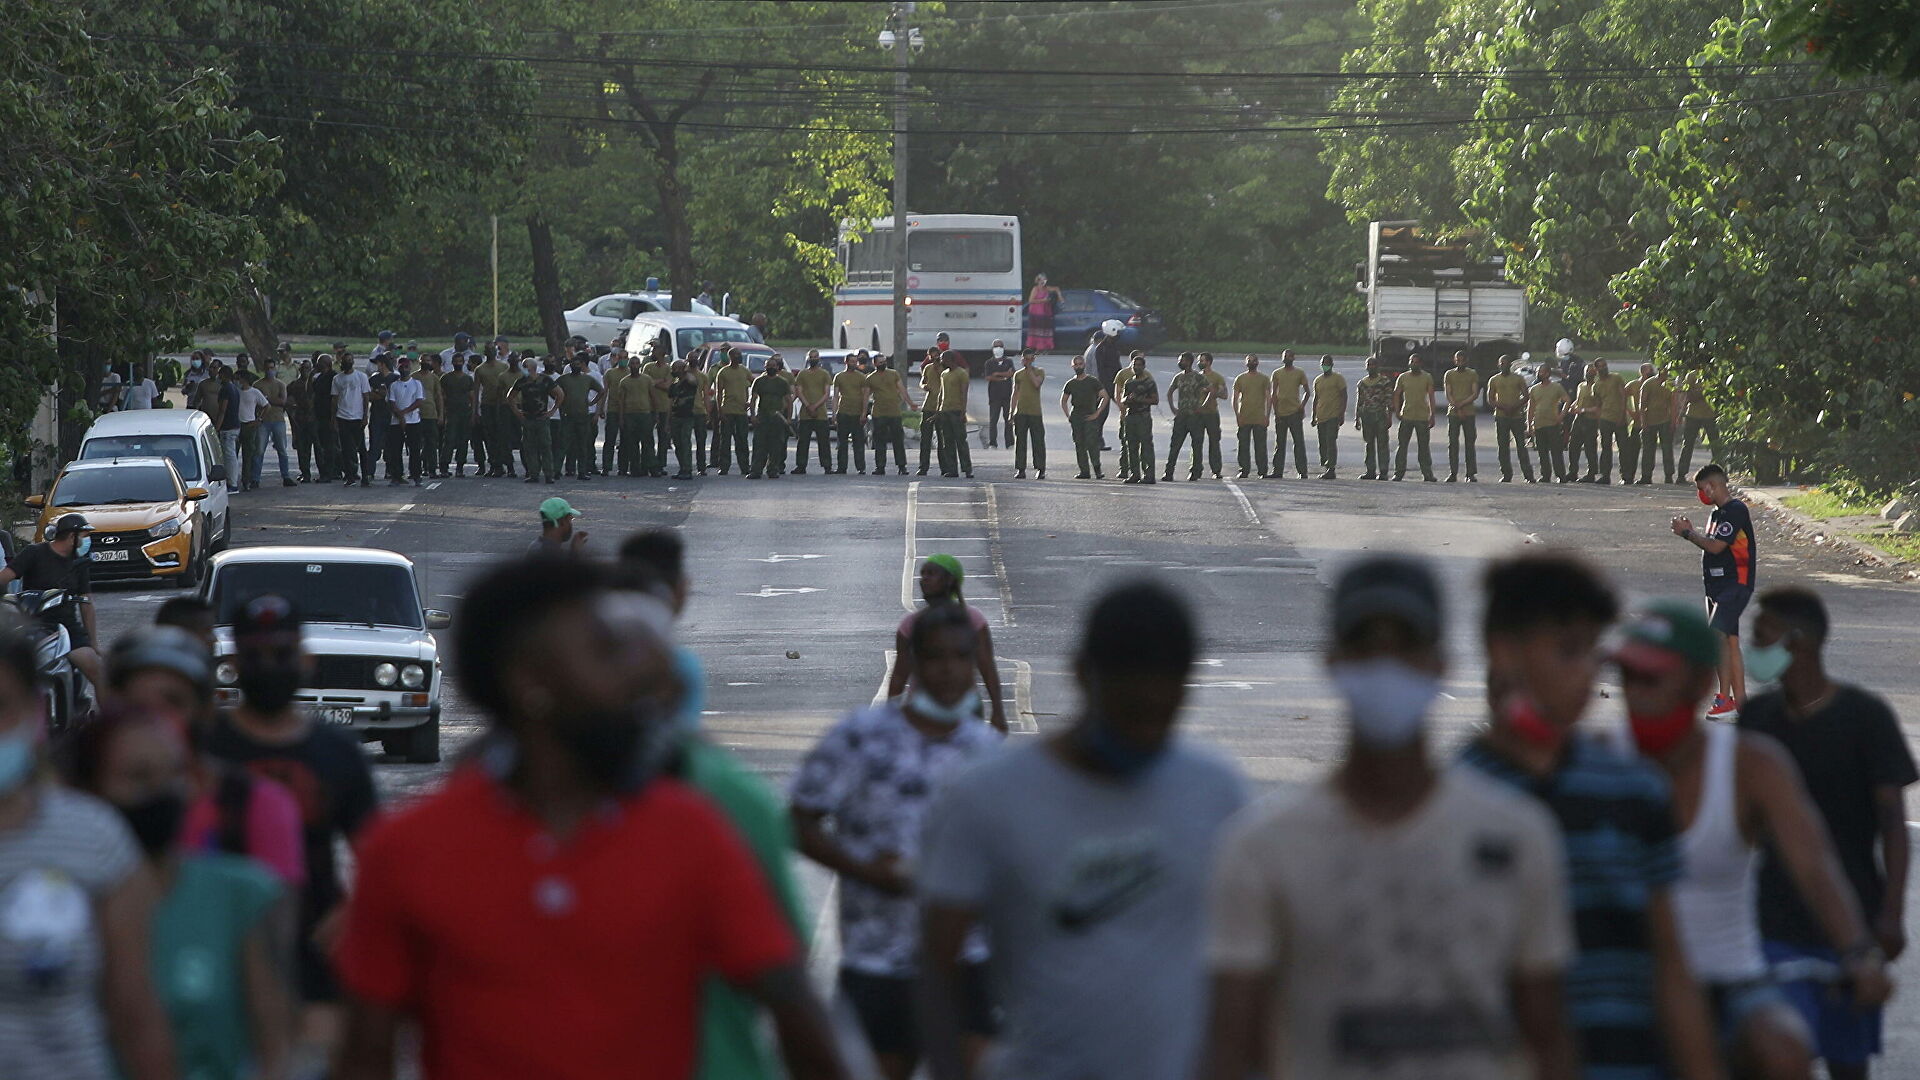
[256, 323]
[673, 208]
[546, 284]
[83, 362]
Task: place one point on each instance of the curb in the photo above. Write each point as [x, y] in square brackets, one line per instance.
[1817, 531]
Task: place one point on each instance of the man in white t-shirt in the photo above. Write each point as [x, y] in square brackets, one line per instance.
[139, 393]
[404, 397]
[350, 392]
[1393, 921]
[251, 403]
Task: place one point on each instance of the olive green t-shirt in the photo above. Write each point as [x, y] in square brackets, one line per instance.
[953, 389]
[889, 398]
[1545, 403]
[1611, 392]
[1656, 400]
[1508, 393]
[1026, 390]
[1416, 395]
[1329, 397]
[578, 386]
[1287, 384]
[771, 390]
[456, 394]
[1253, 387]
[1219, 384]
[811, 384]
[659, 375]
[851, 387]
[930, 383]
[1460, 384]
[733, 381]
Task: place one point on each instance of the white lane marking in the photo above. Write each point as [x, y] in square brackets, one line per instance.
[951, 539]
[906, 564]
[786, 558]
[435, 486]
[406, 508]
[1024, 722]
[997, 549]
[825, 962]
[886, 676]
[769, 590]
[1246, 505]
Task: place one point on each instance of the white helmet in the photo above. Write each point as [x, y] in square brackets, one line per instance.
[1563, 347]
[1112, 327]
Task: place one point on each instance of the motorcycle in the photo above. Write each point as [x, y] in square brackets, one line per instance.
[69, 696]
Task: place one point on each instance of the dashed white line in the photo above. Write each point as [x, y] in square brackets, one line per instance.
[1246, 505]
[996, 549]
[406, 508]
[906, 564]
[433, 486]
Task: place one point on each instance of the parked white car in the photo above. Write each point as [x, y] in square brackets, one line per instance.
[376, 665]
[604, 318]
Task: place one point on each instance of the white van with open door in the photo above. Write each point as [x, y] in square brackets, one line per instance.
[183, 436]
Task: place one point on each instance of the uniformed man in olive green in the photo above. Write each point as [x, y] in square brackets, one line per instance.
[1187, 393]
[576, 418]
[684, 413]
[813, 386]
[1210, 416]
[1329, 412]
[612, 418]
[955, 380]
[888, 398]
[1461, 385]
[930, 423]
[1507, 393]
[849, 415]
[1653, 421]
[658, 371]
[1084, 400]
[535, 399]
[1252, 404]
[457, 398]
[1413, 408]
[1029, 422]
[495, 378]
[1289, 416]
[1373, 416]
[1137, 393]
[1610, 397]
[1698, 418]
[772, 407]
[632, 406]
[733, 387]
[1547, 406]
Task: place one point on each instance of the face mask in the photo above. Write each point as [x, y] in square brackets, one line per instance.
[1524, 719]
[156, 820]
[16, 760]
[967, 708]
[1704, 501]
[197, 364]
[998, 352]
[1326, 369]
[1655, 735]
[1766, 663]
[1112, 754]
[270, 372]
[86, 545]
[269, 688]
[1387, 700]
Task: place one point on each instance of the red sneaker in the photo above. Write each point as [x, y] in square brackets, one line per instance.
[1724, 708]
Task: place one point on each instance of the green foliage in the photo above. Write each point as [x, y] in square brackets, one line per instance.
[1868, 37]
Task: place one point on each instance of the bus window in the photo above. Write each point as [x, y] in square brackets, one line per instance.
[871, 257]
[956, 252]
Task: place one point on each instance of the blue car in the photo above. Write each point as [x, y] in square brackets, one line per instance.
[1083, 310]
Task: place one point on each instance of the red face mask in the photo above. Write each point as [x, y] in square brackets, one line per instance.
[1657, 734]
[1524, 719]
[1704, 501]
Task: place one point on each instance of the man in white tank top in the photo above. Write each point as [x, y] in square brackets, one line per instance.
[1731, 789]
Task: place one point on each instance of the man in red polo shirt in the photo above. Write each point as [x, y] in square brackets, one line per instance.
[551, 911]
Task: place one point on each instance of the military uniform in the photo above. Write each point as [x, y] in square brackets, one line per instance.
[1700, 419]
[770, 395]
[614, 427]
[887, 392]
[456, 401]
[849, 417]
[1586, 408]
[533, 398]
[496, 380]
[1029, 425]
[1329, 412]
[1210, 418]
[930, 423]
[1462, 387]
[1082, 397]
[1654, 402]
[576, 423]
[1372, 408]
[1135, 391]
[1610, 393]
[1289, 418]
[1507, 393]
[659, 419]
[734, 385]
[954, 383]
[1546, 403]
[1416, 420]
[630, 406]
[1252, 392]
[812, 382]
[1187, 392]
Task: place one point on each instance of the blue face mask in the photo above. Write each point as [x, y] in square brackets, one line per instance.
[86, 545]
[1766, 663]
[16, 760]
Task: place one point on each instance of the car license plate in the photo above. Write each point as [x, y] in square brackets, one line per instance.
[333, 715]
[110, 556]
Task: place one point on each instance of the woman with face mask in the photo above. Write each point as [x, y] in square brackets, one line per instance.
[76, 903]
[218, 928]
[859, 799]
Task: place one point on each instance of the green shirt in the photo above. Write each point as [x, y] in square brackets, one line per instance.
[1545, 402]
[1329, 397]
[456, 393]
[887, 390]
[1189, 392]
[732, 383]
[1026, 390]
[200, 931]
[1416, 395]
[771, 391]
[731, 1044]
[953, 388]
[1082, 393]
[578, 386]
[659, 374]
[850, 386]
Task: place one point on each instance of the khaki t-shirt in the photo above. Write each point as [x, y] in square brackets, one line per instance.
[1416, 390]
[953, 389]
[633, 394]
[659, 376]
[1219, 384]
[811, 384]
[885, 386]
[1545, 403]
[1026, 390]
[1287, 384]
[1392, 948]
[1610, 390]
[495, 379]
[733, 382]
[1253, 388]
[1655, 400]
[851, 386]
[432, 406]
[930, 388]
[1460, 384]
[1329, 397]
[1698, 407]
[1507, 393]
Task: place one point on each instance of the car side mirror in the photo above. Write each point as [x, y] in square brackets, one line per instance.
[217, 473]
[36, 501]
[196, 494]
[437, 619]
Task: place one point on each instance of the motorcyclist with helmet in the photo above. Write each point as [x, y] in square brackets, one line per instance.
[61, 562]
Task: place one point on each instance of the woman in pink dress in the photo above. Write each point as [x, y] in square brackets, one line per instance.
[1041, 304]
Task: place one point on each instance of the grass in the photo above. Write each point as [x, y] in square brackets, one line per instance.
[1823, 505]
[1904, 546]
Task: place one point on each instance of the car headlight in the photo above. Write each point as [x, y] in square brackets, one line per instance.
[226, 673]
[169, 527]
[413, 676]
[386, 674]
[47, 533]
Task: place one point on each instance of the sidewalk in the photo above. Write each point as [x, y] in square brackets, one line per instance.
[1841, 533]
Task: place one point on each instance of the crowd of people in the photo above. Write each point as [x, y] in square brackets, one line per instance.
[603, 411]
[596, 890]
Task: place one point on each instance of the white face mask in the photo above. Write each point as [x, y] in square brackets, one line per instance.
[1386, 699]
[998, 352]
[967, 708]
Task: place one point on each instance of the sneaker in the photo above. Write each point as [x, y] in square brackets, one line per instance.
[1471, 479]
[1724, 708]
[1328, 475]
[1453, 478]
[1041, 475]
[288, 481]
[1019, 474]
[1083, 476]
[533, 479]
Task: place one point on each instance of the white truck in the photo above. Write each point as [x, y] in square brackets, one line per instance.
[1433, 298]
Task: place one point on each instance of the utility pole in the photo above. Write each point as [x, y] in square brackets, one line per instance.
[898, 30]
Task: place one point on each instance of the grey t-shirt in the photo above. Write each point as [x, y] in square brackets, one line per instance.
[1093, 893]
[54, 871]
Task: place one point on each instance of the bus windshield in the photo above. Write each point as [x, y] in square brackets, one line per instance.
[959, 251]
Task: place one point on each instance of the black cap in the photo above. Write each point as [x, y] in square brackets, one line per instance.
[462, 336]
[1391, 586]
[385, 334]
[70, 523]
[339, 345]
[286, 347]
[500, 339]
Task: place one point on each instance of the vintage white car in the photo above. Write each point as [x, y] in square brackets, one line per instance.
[376, 665]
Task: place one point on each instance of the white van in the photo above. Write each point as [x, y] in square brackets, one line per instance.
[680, 332]
[183, 436]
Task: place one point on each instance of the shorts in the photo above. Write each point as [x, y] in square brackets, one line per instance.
[1842, 1033]
[884, 1004]
[1725, 605]
[1733, 1004]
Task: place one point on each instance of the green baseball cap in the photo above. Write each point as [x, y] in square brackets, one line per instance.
[1664, 633]
[556, 509]
[951, 565]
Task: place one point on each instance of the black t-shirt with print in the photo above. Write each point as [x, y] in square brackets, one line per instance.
[1732, 525]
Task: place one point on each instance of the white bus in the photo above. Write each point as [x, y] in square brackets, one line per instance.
[963, 277]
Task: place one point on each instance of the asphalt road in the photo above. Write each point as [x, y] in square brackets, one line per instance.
[800, 581]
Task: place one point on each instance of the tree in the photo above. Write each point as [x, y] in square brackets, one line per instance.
[1867, 37]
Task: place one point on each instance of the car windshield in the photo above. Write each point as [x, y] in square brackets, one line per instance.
[1118, 299]
[115, 487]
[693, 337]
[372, 594]
[176, 448]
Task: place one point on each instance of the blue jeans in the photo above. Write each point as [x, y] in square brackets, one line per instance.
[230, 457]
[269, 433]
